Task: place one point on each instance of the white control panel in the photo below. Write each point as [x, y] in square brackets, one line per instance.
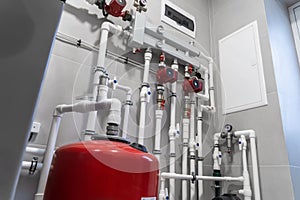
[178, 18]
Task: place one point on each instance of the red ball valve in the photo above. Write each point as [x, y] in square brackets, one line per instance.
[192, 85]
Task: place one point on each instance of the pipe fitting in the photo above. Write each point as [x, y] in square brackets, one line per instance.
[114, 29]
[148, 54]
[114, 116]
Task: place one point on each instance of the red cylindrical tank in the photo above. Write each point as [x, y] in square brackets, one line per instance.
[102, 170]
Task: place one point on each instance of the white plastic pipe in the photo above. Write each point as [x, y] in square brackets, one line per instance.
[172, 134]
[48, 154]
[158, 117]
[205, 96]
[192, 144]
[114, 107]
[211, 84]
[216, 152]
[144, 97]
[246, 191]
[200, 149]
[185, 138]
[127, 105]
[252, 136]
[207, 178]
[106, 28]
[35, 150]
[162, 194]
[27, 164]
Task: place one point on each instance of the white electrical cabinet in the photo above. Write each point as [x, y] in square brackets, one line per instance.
[178, 18]
[241, 70]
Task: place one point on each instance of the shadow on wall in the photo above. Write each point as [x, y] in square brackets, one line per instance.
[83, 16]
[10, 18]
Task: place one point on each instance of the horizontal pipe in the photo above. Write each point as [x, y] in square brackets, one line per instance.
[35, 151]
[207, 178]
[27, 164]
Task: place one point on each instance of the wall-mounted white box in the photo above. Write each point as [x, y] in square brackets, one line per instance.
[178, 18]
[241, 70]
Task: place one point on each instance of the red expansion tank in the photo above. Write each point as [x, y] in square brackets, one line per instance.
[102, 170]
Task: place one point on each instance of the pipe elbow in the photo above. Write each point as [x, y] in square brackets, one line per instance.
[110, 27]
[61, 109]
[252, 134]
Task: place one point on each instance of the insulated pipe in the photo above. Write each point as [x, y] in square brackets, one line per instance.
[144, 96]
[200, 148]
[205, 178]
[114, 107]
[36, 151]
[105, 29]
[252, 136]
[172, 133]
[192, 144]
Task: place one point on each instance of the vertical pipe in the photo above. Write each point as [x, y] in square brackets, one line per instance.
[185, 136]
[200, 149]
[49, 153]
[192, 147]
[125, 120]
[142, 122]
[172, 133]
[144, 96]
[162, 189]
[246, 188]
[92, 116]
[157, 150]
[256, 184]
[211, 84]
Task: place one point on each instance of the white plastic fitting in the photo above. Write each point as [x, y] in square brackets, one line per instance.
[113, 83]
